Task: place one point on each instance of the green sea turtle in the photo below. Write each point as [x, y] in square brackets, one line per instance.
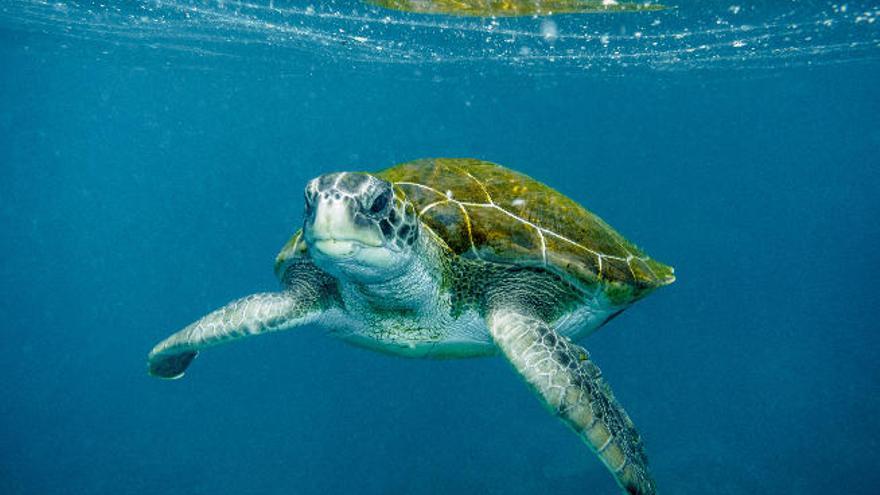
[446, 258]
[511, 8]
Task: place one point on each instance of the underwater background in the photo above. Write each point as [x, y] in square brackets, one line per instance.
[152, 162]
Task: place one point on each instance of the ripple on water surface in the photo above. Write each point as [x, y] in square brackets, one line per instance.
[691, 34]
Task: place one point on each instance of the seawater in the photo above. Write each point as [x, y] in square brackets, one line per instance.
[152, 161]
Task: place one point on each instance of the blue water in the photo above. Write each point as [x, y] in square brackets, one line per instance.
[152, 160]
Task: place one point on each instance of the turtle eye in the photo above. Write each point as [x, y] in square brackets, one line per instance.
[380, 202]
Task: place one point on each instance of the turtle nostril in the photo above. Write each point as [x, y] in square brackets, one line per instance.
[380, 203]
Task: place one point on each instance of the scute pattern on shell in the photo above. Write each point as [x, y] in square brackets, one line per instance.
[489, 212]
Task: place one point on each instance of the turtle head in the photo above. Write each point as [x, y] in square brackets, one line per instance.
[357, 227]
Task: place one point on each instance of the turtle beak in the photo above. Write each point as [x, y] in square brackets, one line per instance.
[333, 230]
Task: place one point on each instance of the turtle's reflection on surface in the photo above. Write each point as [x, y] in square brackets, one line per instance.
[510, 8]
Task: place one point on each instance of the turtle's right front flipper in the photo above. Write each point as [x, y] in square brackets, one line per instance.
[308, 295]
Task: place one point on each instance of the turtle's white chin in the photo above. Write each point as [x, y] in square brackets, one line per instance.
[338, 248]
[354, 259]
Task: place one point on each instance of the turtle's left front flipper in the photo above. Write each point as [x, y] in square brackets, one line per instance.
[309, 293]
[572, 386]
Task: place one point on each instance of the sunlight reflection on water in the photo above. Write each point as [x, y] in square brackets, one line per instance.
[693, 35]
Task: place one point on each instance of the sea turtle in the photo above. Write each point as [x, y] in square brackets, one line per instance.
[511, 8]
[446, 258]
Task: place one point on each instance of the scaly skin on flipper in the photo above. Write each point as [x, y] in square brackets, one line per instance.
[563, 375]
[306, 297]
[511, 8]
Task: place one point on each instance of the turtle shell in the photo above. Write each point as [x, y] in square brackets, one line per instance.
[485, 211]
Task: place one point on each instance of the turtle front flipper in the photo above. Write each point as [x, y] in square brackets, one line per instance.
[308, 294]
[572, 386]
